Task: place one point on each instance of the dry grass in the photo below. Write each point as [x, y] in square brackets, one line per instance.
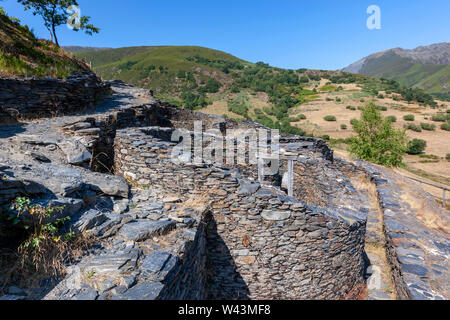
[28, 269]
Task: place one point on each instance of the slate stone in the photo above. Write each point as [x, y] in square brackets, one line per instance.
[10, 297]
[75, 151]
[108, 184]
[140, 230]
[415, 269]
[157, 265]
[86, 295]
[113, 263]
[248, 189]
[143, 291]
[270, 215]
[90, 220]
[112, 225]
[16, 291]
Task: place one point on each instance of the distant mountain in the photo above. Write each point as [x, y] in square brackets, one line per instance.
[76, 49]
[426, 67]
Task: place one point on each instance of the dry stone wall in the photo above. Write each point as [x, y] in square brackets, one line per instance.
[260, 243]
[34, 98]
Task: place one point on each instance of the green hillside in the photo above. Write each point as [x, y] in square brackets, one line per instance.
[197, 78]
[22, 54]
[433, 78]
[165, 69]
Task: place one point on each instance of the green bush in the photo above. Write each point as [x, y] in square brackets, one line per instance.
[428, 126]
[353, 122]
[350, 108]
[238, 107]
[392, 118]
[330, 118]
[344, 127]
[439, 118]
[329, 99]
[382, 108]
[409, 117]
[338, 99]
[445, 126]
[377, 140]
[212, 86]
[416, 146]
[326, 137]
[413, 127]
[298, 118]
[447, 157]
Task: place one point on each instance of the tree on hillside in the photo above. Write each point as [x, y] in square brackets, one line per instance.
[378, 141]
[56, 13]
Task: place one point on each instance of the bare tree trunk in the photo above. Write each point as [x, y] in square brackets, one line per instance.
[54, 35]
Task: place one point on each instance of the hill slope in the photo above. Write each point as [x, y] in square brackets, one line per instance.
[22, 54]
[426, 67]
[219, 83]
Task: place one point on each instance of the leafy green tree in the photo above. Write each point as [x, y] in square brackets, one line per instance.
[378, 141]
[55, 13]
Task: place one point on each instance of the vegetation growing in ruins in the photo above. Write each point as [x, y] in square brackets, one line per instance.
[43, 248]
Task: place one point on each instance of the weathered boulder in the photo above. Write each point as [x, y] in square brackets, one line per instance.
[75, 151]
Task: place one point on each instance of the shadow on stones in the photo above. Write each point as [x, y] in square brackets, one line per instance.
[10, 130]
[223, 280]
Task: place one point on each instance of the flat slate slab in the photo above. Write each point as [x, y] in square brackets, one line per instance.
[144, 291]
[140, 230]
[157, 265]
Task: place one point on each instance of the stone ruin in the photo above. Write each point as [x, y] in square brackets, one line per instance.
[174, 230]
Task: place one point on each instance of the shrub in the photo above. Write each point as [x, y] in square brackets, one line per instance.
[377, 140]
[428, 126]
[413, 127]
[338, 99]
[326, 137]
[353, 122]
[298, 118]
[330, 118]
[382, 108]
[212, 86]
[238, 107]
[409, 117]
[416, 146]
[447, 157]
[45, 248]
[344, 127]
[329, 99]
[380, 96]
[350, 108]
[445, 126]
[439, 118]
[392, 118]
[235, 89]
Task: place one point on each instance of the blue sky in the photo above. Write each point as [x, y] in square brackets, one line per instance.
[319, 34]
